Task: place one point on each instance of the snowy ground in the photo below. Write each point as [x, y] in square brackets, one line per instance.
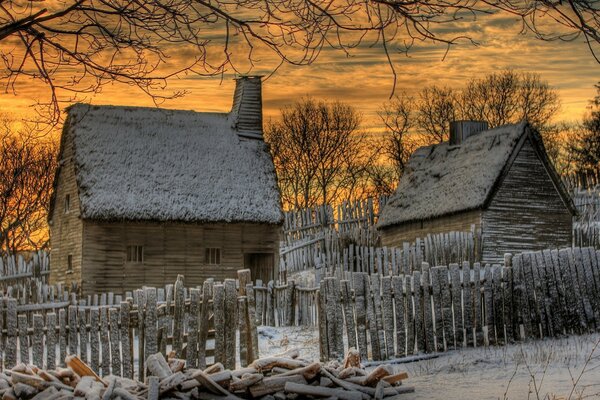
[552, 369]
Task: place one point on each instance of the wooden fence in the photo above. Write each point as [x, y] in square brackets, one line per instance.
[535, 295]
[286, 305]
[328, 258]
[114, 334]
[17, 271]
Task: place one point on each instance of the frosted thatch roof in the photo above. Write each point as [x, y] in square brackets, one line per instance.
[445, 179]
[165, 165]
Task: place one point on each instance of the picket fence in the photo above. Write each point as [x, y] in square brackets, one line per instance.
[17, 271]
[535, 295]
[285, 305]
[114, 335]
[329, 259]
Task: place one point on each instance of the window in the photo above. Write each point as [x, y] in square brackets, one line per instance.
[213, 256]
[69, 263]
[67, 203]
[135, 254]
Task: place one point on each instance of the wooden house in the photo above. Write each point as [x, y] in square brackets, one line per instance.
[144, 194]
[499, 180]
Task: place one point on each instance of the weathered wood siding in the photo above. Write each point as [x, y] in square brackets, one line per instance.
[395, 236]
[66, 228]
[526, 212]
[169, 249]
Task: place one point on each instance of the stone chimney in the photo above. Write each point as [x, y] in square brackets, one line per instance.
[246, 112]
[460, 130]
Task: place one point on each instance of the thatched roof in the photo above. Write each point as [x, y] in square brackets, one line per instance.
[154, 164]
[444, 179]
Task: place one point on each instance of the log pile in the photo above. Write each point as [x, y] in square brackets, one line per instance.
[280, 377]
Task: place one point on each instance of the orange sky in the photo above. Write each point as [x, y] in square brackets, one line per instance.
[365, 81]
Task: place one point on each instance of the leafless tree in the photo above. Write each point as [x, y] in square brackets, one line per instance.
[509, 97]
[399, 142]
[584, 145]
[27, 163]
[321, 156]
[75, 46]
[437, 107]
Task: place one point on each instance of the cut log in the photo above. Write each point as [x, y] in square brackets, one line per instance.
[157, 366]
[266, 364]
[81, 368]
[274, 384]
[246, 381]
[320, 391]
[352, 358]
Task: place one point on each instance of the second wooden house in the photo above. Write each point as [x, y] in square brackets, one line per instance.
[144, 194]
[500, 181]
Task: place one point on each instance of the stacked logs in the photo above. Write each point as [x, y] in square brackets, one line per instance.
[280, 377]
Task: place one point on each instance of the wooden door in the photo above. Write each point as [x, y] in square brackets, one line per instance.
[261, 265]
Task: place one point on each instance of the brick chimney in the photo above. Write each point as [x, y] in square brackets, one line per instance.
[246, 112]
[460, 130]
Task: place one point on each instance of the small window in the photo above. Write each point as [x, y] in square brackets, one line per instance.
[213, 256]
[69, 263]
[135, 254]
[67, 203]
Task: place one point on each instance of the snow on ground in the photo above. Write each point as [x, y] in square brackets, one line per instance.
[552, 369]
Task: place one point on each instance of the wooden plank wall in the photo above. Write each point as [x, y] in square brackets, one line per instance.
[534, 295]
[114, 334]
[170, 249]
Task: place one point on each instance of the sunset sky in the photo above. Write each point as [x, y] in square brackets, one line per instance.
[364, 79]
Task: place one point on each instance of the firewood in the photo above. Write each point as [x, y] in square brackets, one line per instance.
[309, 372]
[176, 365]
[109, 390]
[266, 364]
[351, 371]
[246, 381]
[171, 382]
[291, 353]
[222, 378]
[274, 384]
[9, 395]
[239, 372]
[279, 370]
[352, 358]
[319, 391]
[81, 368]
[213, 369]
[211, 385]
[157, 366]
[45, 394]
[84, 386]
[399, 377]
[23, 391]
[29, 380]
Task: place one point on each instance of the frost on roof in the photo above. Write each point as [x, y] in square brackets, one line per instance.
[445, 179]
[165, 165]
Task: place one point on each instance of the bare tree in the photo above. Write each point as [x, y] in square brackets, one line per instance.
[75, 46]
[509, 97]
[584, 146]
[399, 142]
[437, 107]
[27, 163]
[320, 154]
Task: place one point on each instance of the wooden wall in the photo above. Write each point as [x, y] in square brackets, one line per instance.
[526, 213]
[66, 228]
[169, 249]
[395, 236]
